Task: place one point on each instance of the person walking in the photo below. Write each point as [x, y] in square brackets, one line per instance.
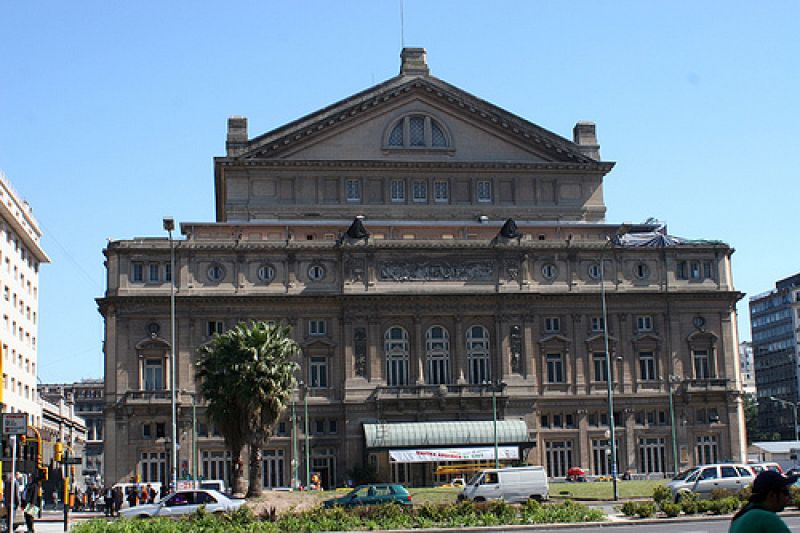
[769, 495]
[10, 494]
[108, 501]
[32, 504]
[117, 501]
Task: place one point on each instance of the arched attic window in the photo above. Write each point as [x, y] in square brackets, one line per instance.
[417, 131]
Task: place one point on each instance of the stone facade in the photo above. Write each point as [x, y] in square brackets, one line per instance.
[442, 311]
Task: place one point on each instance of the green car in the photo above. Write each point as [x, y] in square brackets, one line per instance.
[374, 494]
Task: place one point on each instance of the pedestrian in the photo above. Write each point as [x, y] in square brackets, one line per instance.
[10, 495]
[32, 504]
[108, 501]
[54, 499]
[133, 495]
[151, 494]
[769, 495]
[117, 500]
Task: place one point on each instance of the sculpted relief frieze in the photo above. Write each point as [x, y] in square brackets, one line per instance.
[427, 270]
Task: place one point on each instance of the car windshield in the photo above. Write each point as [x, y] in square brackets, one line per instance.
[680, 476]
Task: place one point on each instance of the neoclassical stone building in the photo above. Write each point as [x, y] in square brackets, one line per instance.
[377, 228]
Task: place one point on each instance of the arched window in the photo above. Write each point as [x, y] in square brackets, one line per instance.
[437, 353]
[417, 131]
[395, 348]
[478, 355]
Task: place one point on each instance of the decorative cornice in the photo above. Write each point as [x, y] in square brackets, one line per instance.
[597, 167]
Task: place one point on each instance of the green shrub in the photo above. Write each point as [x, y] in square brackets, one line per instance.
[689, 502]
[662, 493]
[629, 509]
[671, 509]
[744, 494]
[794, 493]
[645, 509]
[704, 506]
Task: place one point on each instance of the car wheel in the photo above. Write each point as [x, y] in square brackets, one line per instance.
[480, 499]
[142, 516]
[535, 497]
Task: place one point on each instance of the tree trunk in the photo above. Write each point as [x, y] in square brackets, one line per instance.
[255, 487]
[238, 484]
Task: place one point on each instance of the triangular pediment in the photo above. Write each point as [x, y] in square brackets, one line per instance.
[356, 128]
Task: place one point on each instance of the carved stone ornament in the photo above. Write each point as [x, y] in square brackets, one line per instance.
[360, 349]
[512, 271]
[436, 271]
[354, 269]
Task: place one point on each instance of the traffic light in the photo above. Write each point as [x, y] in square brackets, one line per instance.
[58, 451]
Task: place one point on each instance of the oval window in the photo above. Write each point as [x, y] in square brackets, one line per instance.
[316, 272]
[266, 273]
[216, 272]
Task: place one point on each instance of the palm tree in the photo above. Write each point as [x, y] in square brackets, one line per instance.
[247, 376]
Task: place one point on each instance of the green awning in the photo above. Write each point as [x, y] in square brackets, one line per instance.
[413, 434]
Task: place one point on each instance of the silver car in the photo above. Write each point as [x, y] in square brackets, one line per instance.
[184, 502]
[703, 479]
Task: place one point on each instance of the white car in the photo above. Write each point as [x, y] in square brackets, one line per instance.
[185, 502]
[705, 478]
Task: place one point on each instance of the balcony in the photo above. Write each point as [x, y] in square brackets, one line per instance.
[437, 391]
[144, 397]
[709, 384]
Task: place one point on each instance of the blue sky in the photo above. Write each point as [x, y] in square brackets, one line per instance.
[111, 112]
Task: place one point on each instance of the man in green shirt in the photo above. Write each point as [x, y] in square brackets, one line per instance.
[770, 494]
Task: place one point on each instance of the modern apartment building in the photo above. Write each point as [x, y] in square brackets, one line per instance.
[21, 255]
[747, 368]
[443, 264]
[774, 320]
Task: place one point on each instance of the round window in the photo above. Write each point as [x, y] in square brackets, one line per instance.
[216, 272]
[266, 273]
[595, 271]
[316, 272]
[549, 271]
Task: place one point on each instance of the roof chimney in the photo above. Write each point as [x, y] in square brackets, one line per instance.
[237, 135]
[585, 136]
[413, 63]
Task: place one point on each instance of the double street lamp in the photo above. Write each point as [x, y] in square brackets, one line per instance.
[169, 226]
[609, 381]
[793, 405]
[670, 380]
[494, 386]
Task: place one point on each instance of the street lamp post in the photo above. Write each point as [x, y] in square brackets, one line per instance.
[169, 226]
[295, 462]
[609, 381]
[794, 411]
[194, 432]
[306, 435]
[494, 423]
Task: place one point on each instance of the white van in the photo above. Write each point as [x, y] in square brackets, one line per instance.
[517, 484]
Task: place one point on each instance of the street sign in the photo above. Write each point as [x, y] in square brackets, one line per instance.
[72, 460]
[15, 424]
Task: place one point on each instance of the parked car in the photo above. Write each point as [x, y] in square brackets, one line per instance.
[757, 468]
[185, 502]
[703, 479]
[516, 484]
[373, 494]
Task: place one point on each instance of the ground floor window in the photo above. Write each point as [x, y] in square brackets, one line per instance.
[707, 449]
[601, 456]
[273, 469]
[651, 455]
[153, 467]
[559, 457]
[401, 473]
[216, 465]
[323, 463]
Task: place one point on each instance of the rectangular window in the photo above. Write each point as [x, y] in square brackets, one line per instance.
[600, 368]
[332, 426]
[647, 366]
[552, 324]
[353, 190]
[598, 324]
[168, 272]
[555, 368]
[317, 327]
[420, 191]
[319, 426]
[702, 367]
[153, 373]
[694, 270]
[318, 370]
[398, 190]
[214, 326]
[152, 272]
[644, 323]
[138, 272]
[147, 431]
[484, 191]
[707, 270]
[682, 271]
[160, 430]
[441, 191]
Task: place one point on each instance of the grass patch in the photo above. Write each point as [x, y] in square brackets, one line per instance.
[603, 490]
